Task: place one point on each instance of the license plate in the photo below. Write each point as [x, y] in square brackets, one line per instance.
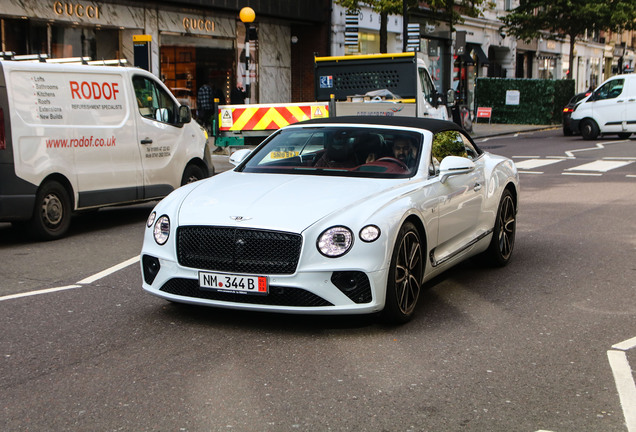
[233, 283]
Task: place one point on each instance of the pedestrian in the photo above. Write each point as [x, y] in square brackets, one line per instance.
[205, 97]
[237, 95]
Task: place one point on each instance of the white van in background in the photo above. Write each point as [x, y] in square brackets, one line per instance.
[75, 137]
[610, 109]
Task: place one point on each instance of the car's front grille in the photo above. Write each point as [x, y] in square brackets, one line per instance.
[237, 250]
[277, 296]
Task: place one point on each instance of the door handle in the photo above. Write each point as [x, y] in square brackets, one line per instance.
[477, 187]
[146, 141]
[620, 101]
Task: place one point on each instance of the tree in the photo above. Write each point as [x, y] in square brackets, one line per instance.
[571, 18]
[397, 7]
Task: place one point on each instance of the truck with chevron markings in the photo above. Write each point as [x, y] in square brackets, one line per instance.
[396, 84]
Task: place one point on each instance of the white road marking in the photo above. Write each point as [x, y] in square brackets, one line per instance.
[526, 157]
[600, 166]
[38, 292]
[630, 176]
[625, 345]
[535, 163]
[530, 172]
[582, 174]
[625, 386]
[84, 281]
[109, 271]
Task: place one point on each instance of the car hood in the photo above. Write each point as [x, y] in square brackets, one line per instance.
[275, 201]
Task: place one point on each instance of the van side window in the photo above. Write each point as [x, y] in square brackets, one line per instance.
[153, 101]
[427, 85]
[610, 90]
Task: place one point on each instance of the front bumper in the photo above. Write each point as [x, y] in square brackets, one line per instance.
[304, 292]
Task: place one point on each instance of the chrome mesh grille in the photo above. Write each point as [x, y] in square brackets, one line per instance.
[238, 250]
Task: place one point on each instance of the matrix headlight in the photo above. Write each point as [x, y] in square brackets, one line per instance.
[335, 241]
[162, 230]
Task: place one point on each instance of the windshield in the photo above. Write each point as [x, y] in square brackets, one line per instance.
[344, 151]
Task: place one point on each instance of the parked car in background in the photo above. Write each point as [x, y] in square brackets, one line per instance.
[345, 215]
[567, 111]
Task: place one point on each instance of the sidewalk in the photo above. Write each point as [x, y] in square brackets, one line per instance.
[485, 130]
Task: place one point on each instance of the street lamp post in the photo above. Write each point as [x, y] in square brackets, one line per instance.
[247, 16]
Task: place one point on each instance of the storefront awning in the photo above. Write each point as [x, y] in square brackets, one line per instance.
[475, 51]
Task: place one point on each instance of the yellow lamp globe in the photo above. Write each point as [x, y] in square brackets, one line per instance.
[247, 15]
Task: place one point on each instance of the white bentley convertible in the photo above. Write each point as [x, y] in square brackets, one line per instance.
[347, 215]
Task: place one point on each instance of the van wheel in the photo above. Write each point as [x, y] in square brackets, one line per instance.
[624, 135]
[191, 174]
[52, 212]
[589, 129]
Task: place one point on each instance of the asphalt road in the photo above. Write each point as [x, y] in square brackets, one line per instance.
[523, 348]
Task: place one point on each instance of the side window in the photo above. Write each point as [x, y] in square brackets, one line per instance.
[450, 143]
[427, 84]
[610, 90]
[153, 101]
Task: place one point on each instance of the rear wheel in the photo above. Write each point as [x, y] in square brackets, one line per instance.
[405, 276]
[589, 129]
[503, 238]
[52, 213]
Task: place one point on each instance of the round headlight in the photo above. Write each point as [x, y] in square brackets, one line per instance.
[335, 241]
[151, 219]
[162, 230]
[369, 233]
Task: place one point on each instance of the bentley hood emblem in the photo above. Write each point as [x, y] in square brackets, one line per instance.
[240, 218]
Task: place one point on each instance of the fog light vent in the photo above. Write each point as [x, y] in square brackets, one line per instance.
[150, 266]
[354, 285]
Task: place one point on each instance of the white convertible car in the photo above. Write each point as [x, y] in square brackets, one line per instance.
[347, 215]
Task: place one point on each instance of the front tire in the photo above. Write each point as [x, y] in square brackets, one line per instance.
[589, 129]
[502, 244]
[405, 276]
[52, 213]
[191, 174]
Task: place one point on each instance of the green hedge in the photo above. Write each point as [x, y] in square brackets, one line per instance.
[540, 102]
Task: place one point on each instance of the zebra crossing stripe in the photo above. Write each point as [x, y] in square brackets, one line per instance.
[600, 166]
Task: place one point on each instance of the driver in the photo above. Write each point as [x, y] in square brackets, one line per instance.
[405, 150]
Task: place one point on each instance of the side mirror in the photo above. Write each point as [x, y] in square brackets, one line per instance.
[185, 115]
[162, 115]
[450, 97]
[454, 165]
[239, 156]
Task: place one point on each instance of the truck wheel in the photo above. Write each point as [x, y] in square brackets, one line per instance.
[191, 174]
[589, 129]
[52, 212]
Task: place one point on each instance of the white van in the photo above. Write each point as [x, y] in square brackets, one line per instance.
[610, 109]
[76, 137]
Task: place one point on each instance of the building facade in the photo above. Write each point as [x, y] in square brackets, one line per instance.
[192, 42]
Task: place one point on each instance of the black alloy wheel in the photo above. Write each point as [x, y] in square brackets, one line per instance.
[502, 244]
[405, 276]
